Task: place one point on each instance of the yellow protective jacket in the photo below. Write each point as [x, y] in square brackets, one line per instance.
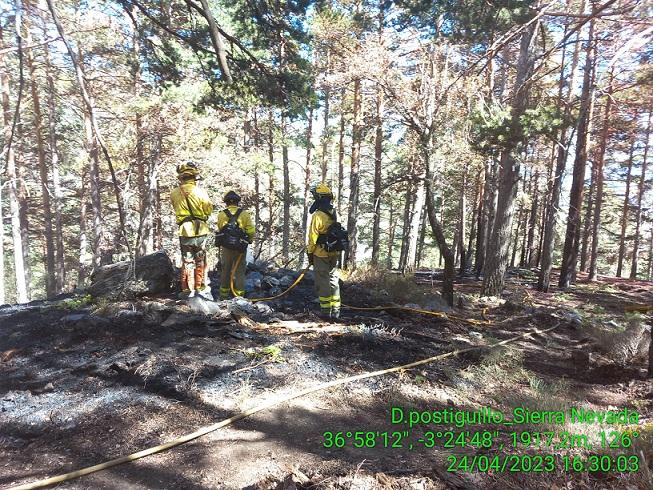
[201, 208]
[320, 223]
[244, 221]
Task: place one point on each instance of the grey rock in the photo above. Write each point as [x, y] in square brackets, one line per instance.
[201, 306]
[150, 274]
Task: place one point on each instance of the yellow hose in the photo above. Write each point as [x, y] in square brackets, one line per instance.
[211, 428]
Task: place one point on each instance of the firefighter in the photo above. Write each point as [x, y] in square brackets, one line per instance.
[236, 232]
[325, 264]
[192, 209]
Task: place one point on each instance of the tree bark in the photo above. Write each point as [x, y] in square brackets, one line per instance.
[14, 204]
[572, 234]
[554, 187]
[216, 38]
[378, 164]
[50, 274]
[438, 232]
[462, 215]
[341, 151]
[307, 179]
[599, 162]
[587, 221]
[497, 261]
[405, 229]
[638, 209]
[624, 212]
[54, 165]
[285, 244]
[415, 221]
[391, 236]
[354, 178]
[532, 223]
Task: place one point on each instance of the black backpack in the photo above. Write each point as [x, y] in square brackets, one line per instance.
[336, 238]
[231, 235]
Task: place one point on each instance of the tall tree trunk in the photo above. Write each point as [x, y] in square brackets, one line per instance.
[54, 165]
[638, 209]
[587, 221]
[354, 178]
[307, 178]
[572, 234]
[415, 221]
[2, 249]
[341, 151]
[376, 197]
[14, 204]
[422, 239]
[554, 187]
[326, 131]
[50, 274]
[626, 205]
[285, 244]
[598, 162]
[532, 223]
[84, 262]
[462, 215]
[97, 234]
[391, 236]
[478, 197]
[149, 203]
[483, 219]
[497, 260]
[649, 273]
[515, 235]
[405, 229]
[438, 232]
[269, 233]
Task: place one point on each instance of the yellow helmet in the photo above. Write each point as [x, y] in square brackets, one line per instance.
[188, 170]
[322, 190]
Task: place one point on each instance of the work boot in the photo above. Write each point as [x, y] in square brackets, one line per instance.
[335, 313]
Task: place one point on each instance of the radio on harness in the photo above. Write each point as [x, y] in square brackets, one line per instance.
[231, 235]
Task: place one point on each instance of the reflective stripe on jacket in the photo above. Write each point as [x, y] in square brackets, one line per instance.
[244, 221]
[201, 208]
[320, 223]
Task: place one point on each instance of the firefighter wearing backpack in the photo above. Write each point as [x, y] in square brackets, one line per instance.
[326, 239]
[192, 209]
[236, 232]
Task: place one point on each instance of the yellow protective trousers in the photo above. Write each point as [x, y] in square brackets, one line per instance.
[228, 260]
[327, 284]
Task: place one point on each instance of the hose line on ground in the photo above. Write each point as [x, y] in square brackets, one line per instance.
[211, 428]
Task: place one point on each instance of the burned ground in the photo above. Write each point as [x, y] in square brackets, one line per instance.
[83, 382]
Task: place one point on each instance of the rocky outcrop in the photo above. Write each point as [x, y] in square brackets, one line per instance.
[150, 274]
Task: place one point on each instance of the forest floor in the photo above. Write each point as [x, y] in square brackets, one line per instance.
[84, 382]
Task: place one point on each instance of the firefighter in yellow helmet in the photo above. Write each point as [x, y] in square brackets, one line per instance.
[192, 209]
[321, 255]
[235, 232]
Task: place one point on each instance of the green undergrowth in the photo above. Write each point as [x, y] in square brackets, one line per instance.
[75, 303]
